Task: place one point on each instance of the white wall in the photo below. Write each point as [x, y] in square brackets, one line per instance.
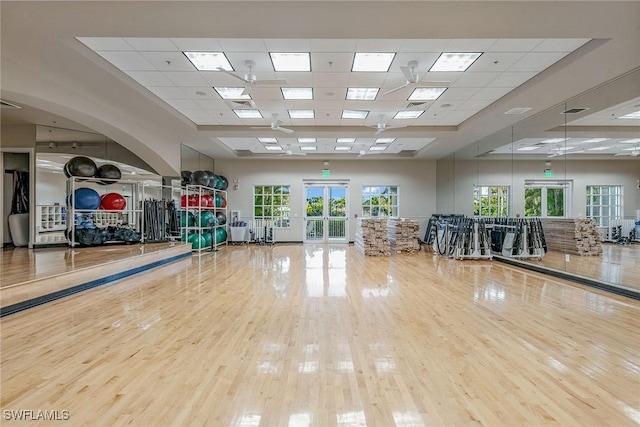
[416, 180]
[51, 188]
[468, 173]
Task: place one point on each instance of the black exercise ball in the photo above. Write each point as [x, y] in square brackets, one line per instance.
[185, 177]
[111, 173]
[222, 218]
[225, 183]
[200, 178]
[212, 179]
[81, 166]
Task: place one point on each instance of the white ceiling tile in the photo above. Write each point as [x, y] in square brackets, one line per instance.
[225, 117]
[425, 61]
[560, 45]
[475, 104]
[380, 106]
[169, 61]
[259, 93]
[218, 78]
[478, 80]
[510, 79]
[537, 61]
[438, 76]
[330, 105]
[265, 105]
[197, 45]
[287, 45]
[150, 78]
[183, 104]
[455, 118]
[127, 61]
[357, 79]
[514, 45]
[170, 92]
[186, 78]
[200, 93]
[330, 79]
[151, 44]
[492, 93]
[331, 62]
[105, 43]
[469, 45]
[196, 115]
[378, 45]
[242, 45]
[211, 104]
[297, 79]
[458, 93]
[330, 93]
[495, 61]
[301, 104]
[332, 45]
[262, 62]
[424, 45]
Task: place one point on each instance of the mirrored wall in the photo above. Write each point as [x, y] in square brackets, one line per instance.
[575, 170]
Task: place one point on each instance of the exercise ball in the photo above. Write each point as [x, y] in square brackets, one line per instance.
[221, 235]
[81, 166]
[221, 202]
[113, 202]
[185, 178]
[225, 183]
[185, 235]
[187, 219]
[206, 201]
[222, 218]
[86, 199]
[211, 176]
[110, 172]
[206, 219]
[208, 239]
[200, 178]
[197, 241]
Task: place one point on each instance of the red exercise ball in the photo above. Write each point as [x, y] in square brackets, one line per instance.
[207, 201]
[113, 202]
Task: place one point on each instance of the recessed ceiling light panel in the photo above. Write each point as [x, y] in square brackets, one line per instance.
[378, 148]
[306, 140]
[518, 110]
[630, 141]
[385, 140]
[345, 140]
[308, 148]
[426, 93]
[372, 61]
[297, 92]
[291, 61]
[554, 140]
[354, 114]
[634, 115]
[342, 148]
[455, 61]
[269, 140]
[362, 93]
[248, 114]
[598, 148]
[528, 148]
[408, 114]
[302, 114]
[209, 61]
[273, 148]
[227, 92]
[594, 140]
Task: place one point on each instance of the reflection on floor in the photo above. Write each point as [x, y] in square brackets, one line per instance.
[300, 335]
[619, 264]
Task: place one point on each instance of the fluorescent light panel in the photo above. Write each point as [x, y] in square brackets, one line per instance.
[228, 92]
[302, 114]
[631, 149]
[554, 140]
[378, 148]
[528, 148]
[372, 61]
[362, 93]
[426, 93]
[630, 141]
[408, 114]
[634, 115]
[594, 140]
[306, 140]
[385, 140]
[518, 110]
[248, 114]
[268, 140]
[455, 61]
[297, 92]
[354, 114]
[345, 140]
[291, 61]
[342, 148]
[308, 148]
[598, 148]
[209, 61]
[273, 147]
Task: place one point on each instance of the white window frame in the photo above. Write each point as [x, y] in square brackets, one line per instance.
[500, 201]
[366, 213]
[277, 220]
[619, 207]
[567, 185]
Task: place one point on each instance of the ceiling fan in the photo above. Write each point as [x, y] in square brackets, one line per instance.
[289, 152]
[381, 126]
[275, 125]
[413, 78]
[250, 79]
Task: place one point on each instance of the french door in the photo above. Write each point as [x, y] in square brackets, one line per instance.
[326, 213]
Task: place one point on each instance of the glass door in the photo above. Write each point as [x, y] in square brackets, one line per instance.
[326, 213]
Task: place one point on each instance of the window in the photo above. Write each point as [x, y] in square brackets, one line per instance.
[272, 202]
[490, 201]
[604, 203]
[546, 199]
[380, 201]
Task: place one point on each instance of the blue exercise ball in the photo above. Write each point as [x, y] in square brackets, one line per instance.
[86, 198]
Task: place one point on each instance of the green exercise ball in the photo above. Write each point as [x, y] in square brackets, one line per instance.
[187, 219]
[184, 235]
[208, 239]
[221, 235]
[207, 219]
[197, 241]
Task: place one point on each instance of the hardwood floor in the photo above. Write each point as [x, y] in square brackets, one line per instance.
[297, 335]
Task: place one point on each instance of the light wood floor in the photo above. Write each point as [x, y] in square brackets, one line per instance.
[295, 335]
[618, 264]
